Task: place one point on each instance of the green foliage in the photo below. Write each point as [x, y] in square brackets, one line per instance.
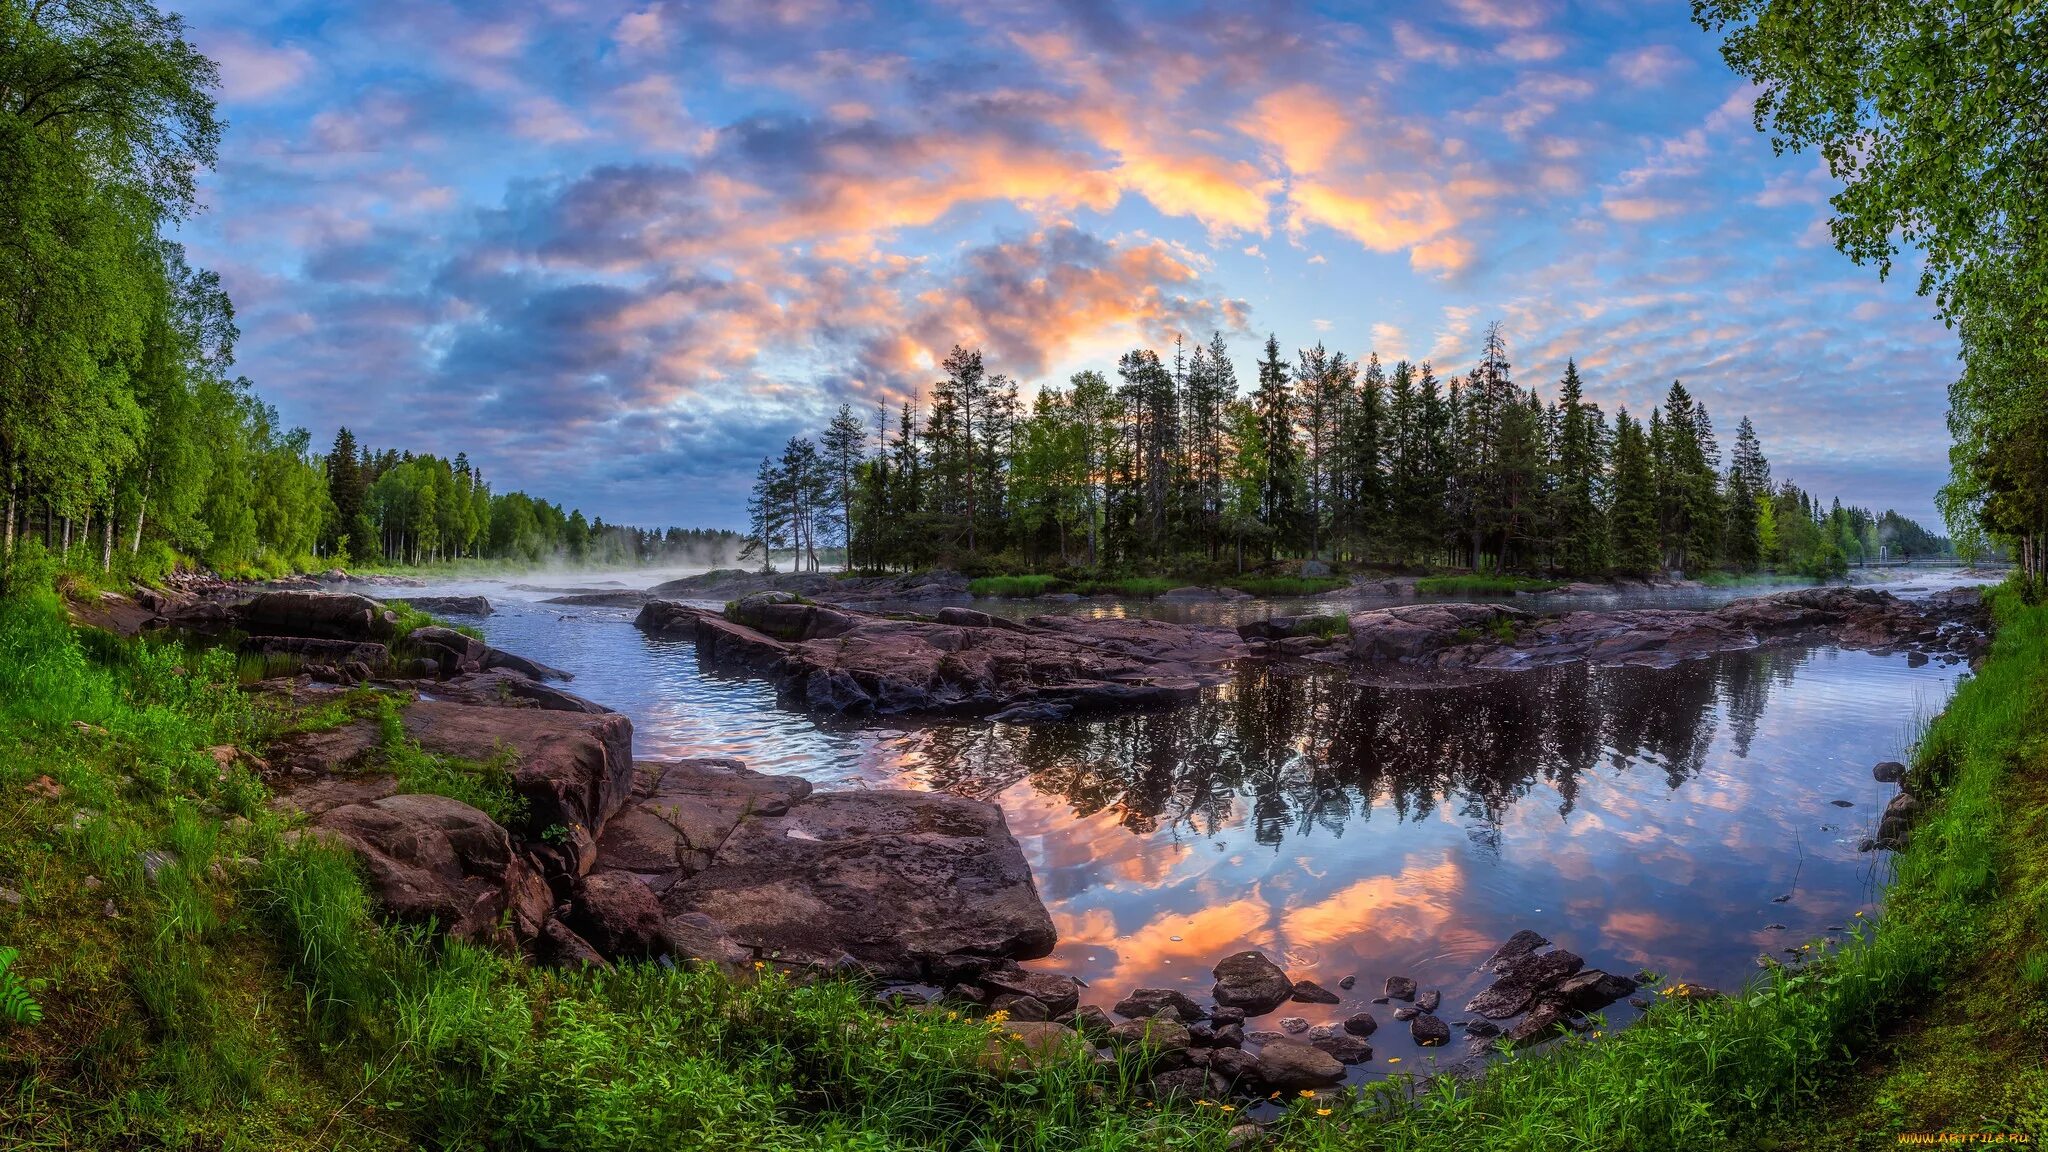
[1482, 585]
[1013, 587]
[18, 1005]
[486, 786]
[1923, 110]
[1282, 586]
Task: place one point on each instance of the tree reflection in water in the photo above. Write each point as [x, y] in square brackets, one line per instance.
[1304, 750]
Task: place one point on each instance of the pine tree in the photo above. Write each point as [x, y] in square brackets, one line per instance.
[1581, 535]
[1749, 483]
[1632, 515]
[1280, 472]
[845, 442]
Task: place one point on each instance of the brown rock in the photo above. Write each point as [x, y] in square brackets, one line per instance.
[1060, 994]
[1146, 1002]
[570, 768]
[884, 876]
[1249, 981]
[619, 916]
[432, 858]
[1289, 1066]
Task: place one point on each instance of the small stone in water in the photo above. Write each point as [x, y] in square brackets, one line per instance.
[1781, 899]
[1293, 1024]
[1407, 1012]
[1774, 927]
[1347, 983]
[1843, 803]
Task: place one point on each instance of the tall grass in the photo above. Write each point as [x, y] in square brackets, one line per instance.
[1013, 587]
[1484, 585]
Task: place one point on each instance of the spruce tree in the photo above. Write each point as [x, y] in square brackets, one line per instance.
[1280, 482]
[1632, 515]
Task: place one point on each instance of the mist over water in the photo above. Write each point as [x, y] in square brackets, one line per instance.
[1641, 818]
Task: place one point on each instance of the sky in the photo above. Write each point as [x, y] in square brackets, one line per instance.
[618, 252]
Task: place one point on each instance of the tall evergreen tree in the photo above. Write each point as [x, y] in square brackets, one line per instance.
[1280, 470]
[1634, 536]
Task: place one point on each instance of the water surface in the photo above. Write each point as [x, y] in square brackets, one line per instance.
[1684, 820]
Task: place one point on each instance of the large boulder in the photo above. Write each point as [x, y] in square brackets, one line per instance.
[1521, 980]
[886, 877]
[572, 769]
[1249, 981]
[455, 652]
[320, 615]
[681, 812]
[429, 858]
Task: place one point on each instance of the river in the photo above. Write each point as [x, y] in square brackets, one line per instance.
[1685, 821]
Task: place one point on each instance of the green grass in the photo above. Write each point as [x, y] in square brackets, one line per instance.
[410, 618]
[1277, 586]
[1479, 585]
[249, 997]
[1012, 587]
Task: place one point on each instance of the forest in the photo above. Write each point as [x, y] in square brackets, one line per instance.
[1328, 458]
[127, 439]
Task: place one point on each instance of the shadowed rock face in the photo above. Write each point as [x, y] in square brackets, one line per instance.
[432, 858]
[958, 661]
[886, 877]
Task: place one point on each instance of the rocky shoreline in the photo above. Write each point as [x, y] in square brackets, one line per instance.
[958, 661]
[927, 897]
[955, 662]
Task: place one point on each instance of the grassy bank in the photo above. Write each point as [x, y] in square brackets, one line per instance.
[1146, 587]
[243, 995]
[1483, 585]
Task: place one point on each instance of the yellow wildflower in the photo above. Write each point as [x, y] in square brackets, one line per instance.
[1230, 1107]
[1322, 1111]
[1393, 1059]
[1308, 1093]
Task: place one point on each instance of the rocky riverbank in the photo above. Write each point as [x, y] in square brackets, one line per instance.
[958, 661]
[955, 662]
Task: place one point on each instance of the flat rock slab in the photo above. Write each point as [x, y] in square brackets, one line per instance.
[958, 662]
[681, 812]
[886, 877]
[1491, 637]
[501, 688]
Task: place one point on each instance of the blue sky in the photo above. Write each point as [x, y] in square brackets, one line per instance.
[618, 252]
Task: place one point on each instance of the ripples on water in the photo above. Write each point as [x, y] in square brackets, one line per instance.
[1642, 818]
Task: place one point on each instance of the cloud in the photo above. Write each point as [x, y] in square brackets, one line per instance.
[253, 70]
[622, 248]
[1648, 66]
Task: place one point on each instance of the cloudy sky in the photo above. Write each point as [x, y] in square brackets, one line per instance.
[619, 251]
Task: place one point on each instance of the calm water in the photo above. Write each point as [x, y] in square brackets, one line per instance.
[1642, 818]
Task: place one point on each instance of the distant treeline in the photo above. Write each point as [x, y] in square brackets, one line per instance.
[1327, 458]
[411, 509]
[125, 435]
